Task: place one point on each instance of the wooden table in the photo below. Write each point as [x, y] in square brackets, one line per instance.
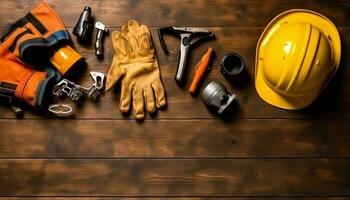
[183, 151]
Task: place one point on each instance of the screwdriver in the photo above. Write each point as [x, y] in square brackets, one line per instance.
[201, 68]
[8, 94]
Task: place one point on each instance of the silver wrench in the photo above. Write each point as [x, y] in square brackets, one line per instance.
[75, 91]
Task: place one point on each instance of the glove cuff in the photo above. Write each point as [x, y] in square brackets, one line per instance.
[65, 59]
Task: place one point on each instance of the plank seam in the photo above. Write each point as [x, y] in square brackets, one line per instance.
[173, 196]
[243, 27]
[174, 119]
[174, 158]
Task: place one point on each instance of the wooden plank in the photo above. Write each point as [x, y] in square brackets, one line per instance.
[155, 177]
[175, 139]
[172, 13]
[333, 102]
[174, 198]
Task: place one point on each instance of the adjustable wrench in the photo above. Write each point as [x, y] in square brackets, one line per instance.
[75, 92]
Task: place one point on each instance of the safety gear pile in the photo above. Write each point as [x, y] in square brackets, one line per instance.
[296, 56]
[27, 46]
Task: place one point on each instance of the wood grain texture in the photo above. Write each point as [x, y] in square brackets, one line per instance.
[187, 13]
[175, 139]
[174, 198]
[176, 177]
[184, 151]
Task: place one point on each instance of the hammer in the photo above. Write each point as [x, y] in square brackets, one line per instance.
[101, 31]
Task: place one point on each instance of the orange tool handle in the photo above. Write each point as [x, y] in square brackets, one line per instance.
[201, 68]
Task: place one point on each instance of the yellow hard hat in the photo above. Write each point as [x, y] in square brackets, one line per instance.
[296, 56]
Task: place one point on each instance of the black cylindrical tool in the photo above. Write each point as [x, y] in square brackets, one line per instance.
[232, 66]
[83, 28]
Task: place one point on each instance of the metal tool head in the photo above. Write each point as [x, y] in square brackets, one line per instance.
[75, 92]
[194, 32]
[66, 87]
[98, 86]
[63, 87]
[101, 26]
[216, 97]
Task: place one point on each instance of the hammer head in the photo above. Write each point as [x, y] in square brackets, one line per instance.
[101, 26]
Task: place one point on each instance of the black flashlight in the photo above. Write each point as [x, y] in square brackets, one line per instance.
[83, 28]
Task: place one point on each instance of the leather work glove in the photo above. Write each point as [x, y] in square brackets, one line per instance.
[136, 63]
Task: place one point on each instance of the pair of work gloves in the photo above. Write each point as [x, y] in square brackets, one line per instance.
[135, 62]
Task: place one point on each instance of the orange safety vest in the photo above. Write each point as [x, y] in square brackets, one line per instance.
[19, 80]
[38, 37]
[41, 36]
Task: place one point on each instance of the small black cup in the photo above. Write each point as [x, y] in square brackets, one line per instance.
[232, 66]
